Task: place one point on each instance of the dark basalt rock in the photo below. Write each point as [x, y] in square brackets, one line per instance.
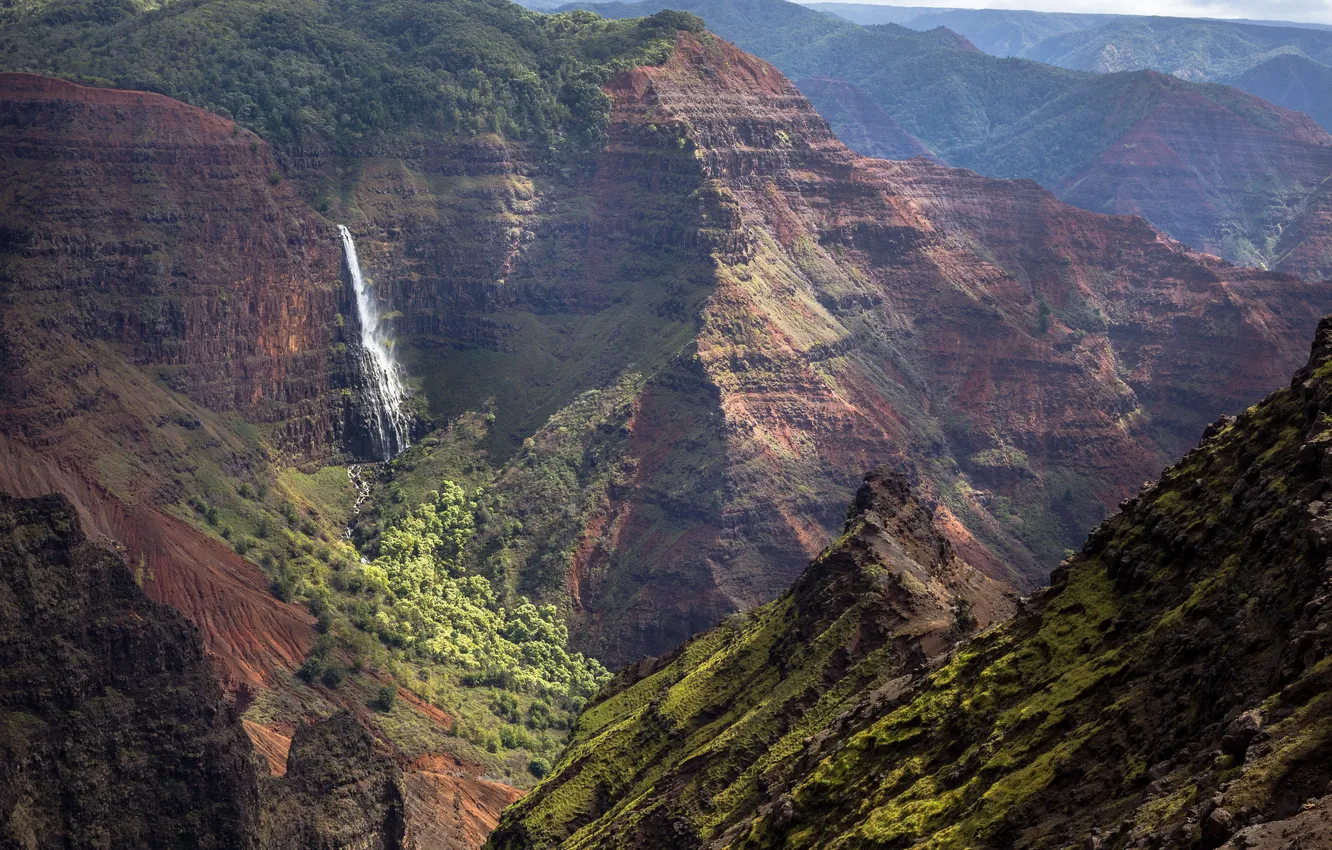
[337, 792]
[113, 732]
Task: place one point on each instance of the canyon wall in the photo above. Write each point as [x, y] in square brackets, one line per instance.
[1029, 363]
[166, 231]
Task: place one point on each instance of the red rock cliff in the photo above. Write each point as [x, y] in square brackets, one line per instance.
[165, 230]
[158, 279]
[1030, 362]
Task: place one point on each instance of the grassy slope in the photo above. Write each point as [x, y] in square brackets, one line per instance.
[1105, 702]
[729, 719]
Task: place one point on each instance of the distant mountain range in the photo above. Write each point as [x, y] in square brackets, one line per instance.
[1210, 165]
[1288, 63]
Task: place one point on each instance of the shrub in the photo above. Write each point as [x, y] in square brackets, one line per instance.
[385, 698]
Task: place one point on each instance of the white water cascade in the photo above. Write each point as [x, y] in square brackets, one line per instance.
[383, 388]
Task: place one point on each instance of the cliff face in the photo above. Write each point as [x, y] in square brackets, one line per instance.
[1023, 358]
[760, 312]
[157, 286]
[336, 792]
[116, 730]
[164, 230]
[1169, 690]
[118, 734]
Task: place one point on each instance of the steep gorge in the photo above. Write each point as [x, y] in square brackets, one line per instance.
[868, 312]
[1170, 689]
[664, 359]
[172, 344]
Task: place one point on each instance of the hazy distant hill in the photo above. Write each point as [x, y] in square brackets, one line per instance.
[999, 32]
[1287, 63]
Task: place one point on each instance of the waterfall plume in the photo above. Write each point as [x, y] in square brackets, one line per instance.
[381, 387]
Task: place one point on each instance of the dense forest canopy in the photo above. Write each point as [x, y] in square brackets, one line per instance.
[340, 72]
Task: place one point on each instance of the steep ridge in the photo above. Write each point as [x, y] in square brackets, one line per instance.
[998, 32]
[1106, 142]
[1290, 80]
[1205, 171]
[868, 311]
[1170, 689]
[336, 792]
[1185, 47]
[872, 611]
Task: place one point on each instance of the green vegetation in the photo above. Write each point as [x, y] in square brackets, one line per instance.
[1104, 703]
[433, 610]
[346, 74]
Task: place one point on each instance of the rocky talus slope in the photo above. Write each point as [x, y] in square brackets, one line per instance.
[117, 734]
[1172, 688]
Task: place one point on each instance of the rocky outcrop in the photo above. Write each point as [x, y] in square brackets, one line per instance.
[115, 730]
[1169, 690]
[337, 791]
[875, 612]
[118, 735]
[448, 811]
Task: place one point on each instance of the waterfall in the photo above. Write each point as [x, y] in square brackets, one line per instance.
[381, 378]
